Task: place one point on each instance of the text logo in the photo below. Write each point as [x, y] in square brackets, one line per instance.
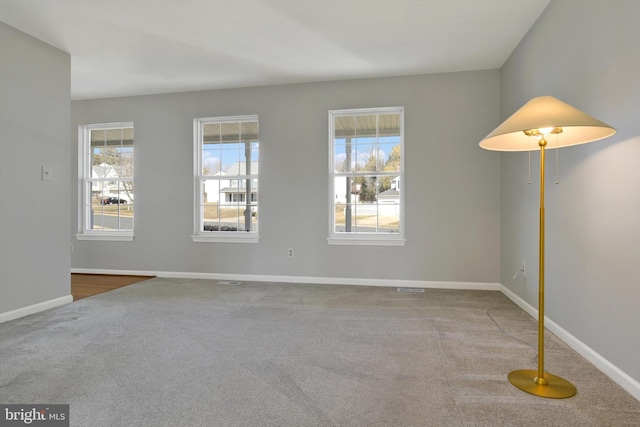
[34, 415]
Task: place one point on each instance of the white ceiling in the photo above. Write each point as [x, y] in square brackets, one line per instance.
[133, 47]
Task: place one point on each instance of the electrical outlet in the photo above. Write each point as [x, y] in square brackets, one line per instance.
[290, 252]
[71, 247]
[521, 271]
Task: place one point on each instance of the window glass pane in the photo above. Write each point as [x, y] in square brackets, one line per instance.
[108, 178]
[255, 151]
[389, 125]
[96, 218]
[229, 215]
[365, 218]
[249, 131]
[111, 206]
[127, 136]
[211, 191]
[233, 158]
[211, 133]
[367, 126]
[98, 137]
[389, 216]
[231, 132]
[342, 211]
[122, 161]
[370, 158]
[98, 168]
[113, 137]
[229, 158]
[113, 216]
[125, 192]
[211, 138]
[345, 127]
[344, 155]
[211, 162]
[95, 160]
[358, 154]
[389, 149]
[367, 147]
[210, 216]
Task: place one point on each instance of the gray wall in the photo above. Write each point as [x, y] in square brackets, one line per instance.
[586, 54]
[34, 132]
[452, 186]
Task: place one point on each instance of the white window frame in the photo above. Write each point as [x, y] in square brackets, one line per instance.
[361, 238]
[84, 192]
[200, 236]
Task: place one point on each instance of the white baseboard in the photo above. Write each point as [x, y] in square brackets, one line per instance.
[35, 308]
[609, 369]
[477, 286]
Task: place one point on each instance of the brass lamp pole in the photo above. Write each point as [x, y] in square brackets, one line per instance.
[538, 118]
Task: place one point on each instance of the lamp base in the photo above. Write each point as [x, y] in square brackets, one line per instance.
[555, 387]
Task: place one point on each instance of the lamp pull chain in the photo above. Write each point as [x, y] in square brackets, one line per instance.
[557, 156]
[529, 152]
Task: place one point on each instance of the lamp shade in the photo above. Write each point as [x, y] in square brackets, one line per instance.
[572, 126]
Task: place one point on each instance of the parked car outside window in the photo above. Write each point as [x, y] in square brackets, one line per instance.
[113, 201]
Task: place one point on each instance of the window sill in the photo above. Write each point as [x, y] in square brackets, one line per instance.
[109, 237]
[226, 238]
[366, 241]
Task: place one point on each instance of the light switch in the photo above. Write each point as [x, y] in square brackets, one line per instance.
[46, 173]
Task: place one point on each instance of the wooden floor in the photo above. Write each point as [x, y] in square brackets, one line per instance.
[86, 285]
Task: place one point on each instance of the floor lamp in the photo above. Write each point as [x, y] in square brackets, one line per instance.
[527, 130]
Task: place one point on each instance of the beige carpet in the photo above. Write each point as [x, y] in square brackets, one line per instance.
[168, 352]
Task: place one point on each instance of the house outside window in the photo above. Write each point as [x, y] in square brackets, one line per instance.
[106, 175]
[226, 163]
[366, 169]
